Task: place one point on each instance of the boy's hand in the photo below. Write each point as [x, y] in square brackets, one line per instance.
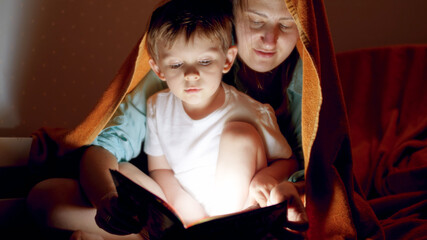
[117, 217]
[260, 188]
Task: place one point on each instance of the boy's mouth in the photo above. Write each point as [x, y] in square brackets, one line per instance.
[192, 90]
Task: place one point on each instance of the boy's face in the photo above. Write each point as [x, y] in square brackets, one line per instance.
[193, 69]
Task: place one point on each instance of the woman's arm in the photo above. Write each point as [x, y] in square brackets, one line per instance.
[98, 185]
[95, 176]
[127, 128]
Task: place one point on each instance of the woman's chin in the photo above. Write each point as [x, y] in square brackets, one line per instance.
[262, 66]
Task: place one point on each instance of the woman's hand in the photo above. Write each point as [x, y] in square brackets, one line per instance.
[116, 216]
[292, 193]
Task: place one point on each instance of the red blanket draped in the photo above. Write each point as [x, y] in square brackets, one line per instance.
[385, 91]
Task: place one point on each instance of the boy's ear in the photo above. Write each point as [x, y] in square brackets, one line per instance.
[156, 69]
[230, 57]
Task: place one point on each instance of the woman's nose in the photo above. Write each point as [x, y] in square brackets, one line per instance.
[269, 38]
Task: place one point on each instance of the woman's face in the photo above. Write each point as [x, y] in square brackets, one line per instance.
[266, 33]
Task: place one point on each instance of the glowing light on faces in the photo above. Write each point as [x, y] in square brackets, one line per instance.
[266, 34]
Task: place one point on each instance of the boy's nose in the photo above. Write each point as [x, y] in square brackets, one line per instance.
[192, 75]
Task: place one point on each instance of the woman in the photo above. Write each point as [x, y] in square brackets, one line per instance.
[267, 69]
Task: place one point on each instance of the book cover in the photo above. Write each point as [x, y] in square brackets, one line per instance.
[162, 222]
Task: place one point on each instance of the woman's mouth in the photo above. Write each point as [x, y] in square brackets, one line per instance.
[264, 53]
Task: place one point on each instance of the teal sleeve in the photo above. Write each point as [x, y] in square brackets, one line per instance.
[294, 92]
[124, 134]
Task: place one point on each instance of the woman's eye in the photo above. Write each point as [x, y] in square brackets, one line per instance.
[205, 62]
[175, 65]
[287, 25]
[257, 24]
[284, 27]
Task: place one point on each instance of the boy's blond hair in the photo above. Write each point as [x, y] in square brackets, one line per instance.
[212, 19]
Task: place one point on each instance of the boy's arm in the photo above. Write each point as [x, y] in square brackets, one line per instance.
[188, 208]
[279, 168]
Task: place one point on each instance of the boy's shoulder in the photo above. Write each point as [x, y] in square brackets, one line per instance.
[162, 94]
[160, 99]
[240, 96]
[244, 101]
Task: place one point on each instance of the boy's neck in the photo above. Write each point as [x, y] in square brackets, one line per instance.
[199, 111]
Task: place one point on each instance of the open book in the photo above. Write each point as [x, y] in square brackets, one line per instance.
[162, 222]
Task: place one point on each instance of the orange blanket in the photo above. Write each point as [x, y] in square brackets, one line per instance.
[335, 207]
[385, 93]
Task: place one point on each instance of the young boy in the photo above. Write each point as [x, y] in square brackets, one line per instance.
[211, 149]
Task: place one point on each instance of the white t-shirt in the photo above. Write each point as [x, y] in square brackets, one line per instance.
[191, 146]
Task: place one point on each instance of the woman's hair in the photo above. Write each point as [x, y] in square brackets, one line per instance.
[212, 19]
[240, 5]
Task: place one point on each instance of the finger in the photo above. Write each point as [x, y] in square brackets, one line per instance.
[267, 194]
[277, 196]
[297, 217]
[297, 226]
[260, 198]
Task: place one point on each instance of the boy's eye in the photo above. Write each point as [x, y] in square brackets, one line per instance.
[175, 65]
[205, 62]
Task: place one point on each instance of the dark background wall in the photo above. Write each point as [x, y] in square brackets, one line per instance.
[365, 23]
[58, 56]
